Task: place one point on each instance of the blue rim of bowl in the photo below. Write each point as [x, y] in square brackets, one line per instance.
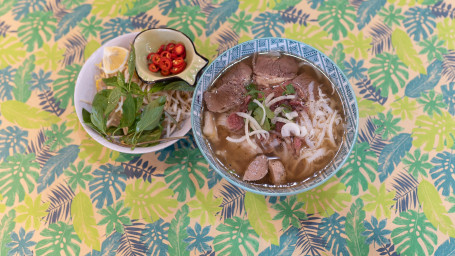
[278, 193]
[175, 77]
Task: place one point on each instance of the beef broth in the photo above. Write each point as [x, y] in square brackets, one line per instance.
[304, 99]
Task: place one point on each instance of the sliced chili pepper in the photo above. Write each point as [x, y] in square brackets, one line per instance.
[179, 49]
[153, 67]
[165, 64]
[162, 48]
[156, 58]
[174, 55]
[176, 70]
[165, 72]
[170, 47]
[150, 55]
[177, 62]
[165, 54]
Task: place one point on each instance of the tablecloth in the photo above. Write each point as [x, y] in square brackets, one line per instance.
[62, 193]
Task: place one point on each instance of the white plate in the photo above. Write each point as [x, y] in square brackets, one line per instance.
[85, 91]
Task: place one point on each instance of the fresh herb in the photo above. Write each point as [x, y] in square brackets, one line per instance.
[289, 90]
[254, 92]
[136, 127]
[258, 113]
[286, 108]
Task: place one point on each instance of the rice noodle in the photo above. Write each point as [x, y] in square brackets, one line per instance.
[263, 110]
[310, 90]
[330, 129]
[268, 98]
[280, 98]
[254, 123]
[280, 119]
[247, 135]
[241, 139]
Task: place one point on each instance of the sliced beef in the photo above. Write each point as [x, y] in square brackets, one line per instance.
[257, 169]
[229, 90]
[270, 70]
[235, 122]
[301, 83]
[277, 172]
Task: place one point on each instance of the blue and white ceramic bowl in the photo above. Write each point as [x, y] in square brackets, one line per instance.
[296, 48]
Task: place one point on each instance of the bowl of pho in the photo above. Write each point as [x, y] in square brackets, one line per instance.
[274, 116]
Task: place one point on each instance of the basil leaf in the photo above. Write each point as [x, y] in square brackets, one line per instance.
[99, 105]
[252, 106]
[113, 100]
[173, 86]
[110, 81]
[86, 116]
[150, 118]
[135, 89]
[286, 108]
[129, 111]
[131, 63]
[98, 120]
[289, 90]
[257, 114]
[138, 101]
[114, 131]
[150, 136]
[269, 113]
[121, 80]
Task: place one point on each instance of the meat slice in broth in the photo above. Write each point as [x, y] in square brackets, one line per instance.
[257, 169]
[230, 90]
[301, 85]
[277, 172]
[269, 70]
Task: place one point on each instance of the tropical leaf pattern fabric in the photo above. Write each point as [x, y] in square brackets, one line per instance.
[61, 193]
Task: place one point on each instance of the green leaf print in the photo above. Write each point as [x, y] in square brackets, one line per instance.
[205, 207]
[2, 205]
[436, 131]
[452, 201]
[432, 102]
[139, 6]
[241, 22]
[177, 232]
[189, 166]
[84, 221]
[434, 209]
[90, 26]
[404, 107]
[237, 237]
[354, 229]
[417, 164]
[22, 79]
[16, 173]
[31, 212]
[326, 199]
[149, 201]
[58, 239]
[387, 125]
[312, 35]
[254, 5]
[188, 19]
[70, 3]
[386, 72]
[391, 16]
[6, 5]
[206, 48]
[337, 17]
[405, 2]
[413, 234]
[7, 225]
[115, 217]
[27, 116]
[434, 48]
[58, 137]
[358, 45]
[380, 201]
[359, 168]
[96, 153]
[49, 56]
[338, 55]
[405, 51]
[368, 107]
[37, 27]
[445, 32]
[290, 212]
[64, 85]
[259, 217]
[78, 176]
[11, 50]
[107, 8]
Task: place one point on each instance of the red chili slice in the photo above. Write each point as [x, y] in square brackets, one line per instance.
[150, 55]
[170, 47]
[176, 70]
[165, 54]
[165, 72]
[153, 67]
[179, 49]
[165, 64]
[177, 62]
[156, 58]
[162, 48]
